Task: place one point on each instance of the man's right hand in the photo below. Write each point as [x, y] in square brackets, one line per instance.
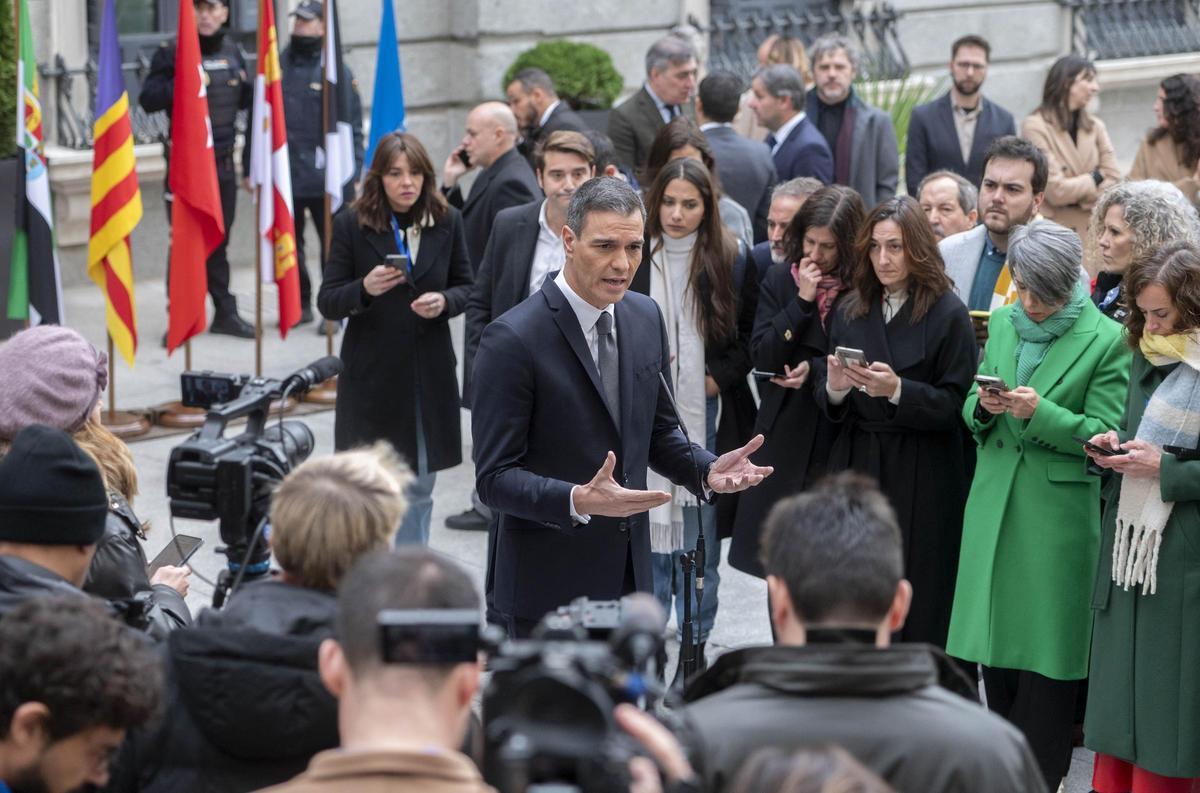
[174, 577]
[453, 169]
[603, 496]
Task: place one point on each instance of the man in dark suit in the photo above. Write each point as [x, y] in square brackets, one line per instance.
[534, 100]
[744, 166]
[505, 180]
[574, 418]
[953, 131]
[670, 81]
[796, 146]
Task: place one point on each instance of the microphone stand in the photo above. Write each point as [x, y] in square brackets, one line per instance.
[689, 650]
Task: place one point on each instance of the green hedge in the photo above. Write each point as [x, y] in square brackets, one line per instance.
[583, 74]
[8, 80]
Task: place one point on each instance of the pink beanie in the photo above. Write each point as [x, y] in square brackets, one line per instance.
[49, 375]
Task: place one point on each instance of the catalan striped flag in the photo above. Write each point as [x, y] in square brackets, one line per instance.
[116, 199]
[270, 173]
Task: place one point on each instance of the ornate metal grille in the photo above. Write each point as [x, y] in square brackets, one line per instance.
[1108, 29]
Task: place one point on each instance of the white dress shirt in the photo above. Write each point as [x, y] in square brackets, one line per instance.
[782, 133]
[548, 255]
[587, 314]
[546, 116]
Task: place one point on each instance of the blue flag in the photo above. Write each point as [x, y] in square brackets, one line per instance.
[387, 104]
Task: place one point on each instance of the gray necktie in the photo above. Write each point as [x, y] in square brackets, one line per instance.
[606, 359]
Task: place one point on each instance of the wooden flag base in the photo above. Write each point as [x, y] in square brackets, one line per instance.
[178, 416]
[124, 424]
[324, 394]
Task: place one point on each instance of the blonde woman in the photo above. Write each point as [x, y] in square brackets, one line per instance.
[774, 49]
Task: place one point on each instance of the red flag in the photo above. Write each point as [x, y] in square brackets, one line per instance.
[197, 226]
[269, 172]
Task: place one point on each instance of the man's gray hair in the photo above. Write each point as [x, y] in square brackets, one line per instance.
[1045, 258]
[831, 43]
[800, 187]
[603, 194]
[782, 80]
[968, 194]
[533, 77]
[1156, 213]
[670, 50]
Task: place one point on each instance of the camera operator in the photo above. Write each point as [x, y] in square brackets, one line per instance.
[72, 682]
[247, 705]
[54, 376]
[835, 583]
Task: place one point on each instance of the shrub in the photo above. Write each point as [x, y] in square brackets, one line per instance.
[8, 80]
[583, 74]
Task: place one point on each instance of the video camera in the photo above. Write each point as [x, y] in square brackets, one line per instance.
[230, 479]
[548, 708]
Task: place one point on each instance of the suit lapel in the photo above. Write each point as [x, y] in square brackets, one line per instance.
[650, 110]
[482, 181]
[625, 346]
[983, 136]
[383, 244]
[430, 249]
[568, 324]
[525, 238]
[950, 130]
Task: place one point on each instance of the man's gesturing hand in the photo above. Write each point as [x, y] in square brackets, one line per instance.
[603, 496]
[733, 470]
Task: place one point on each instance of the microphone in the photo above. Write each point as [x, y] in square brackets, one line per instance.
[638, 636]
[316, 372]
[699, 482]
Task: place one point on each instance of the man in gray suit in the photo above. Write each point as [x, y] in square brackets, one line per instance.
[670, 81]
[744, 166]
[862, 138]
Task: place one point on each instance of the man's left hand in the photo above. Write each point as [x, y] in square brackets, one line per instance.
[733, 471]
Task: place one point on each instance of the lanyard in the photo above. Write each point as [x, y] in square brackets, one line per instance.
[400, 244]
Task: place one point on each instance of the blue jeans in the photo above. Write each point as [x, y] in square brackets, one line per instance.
[668, 575]
[414, 526]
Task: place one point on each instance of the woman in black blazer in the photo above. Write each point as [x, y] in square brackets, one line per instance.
[898, 418]
[398, 381]
[795, 306]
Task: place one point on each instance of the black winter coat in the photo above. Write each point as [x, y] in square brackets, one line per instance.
[915, 450]
[787, 331]
[508, 182]
[118, 570]
[390, 355]
[302, 81]
[21, 580]
[245, 704]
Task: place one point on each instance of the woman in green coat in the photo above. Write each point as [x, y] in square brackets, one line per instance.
[1031, 529]
[1143, 712]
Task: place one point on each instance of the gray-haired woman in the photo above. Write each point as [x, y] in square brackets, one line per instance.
[1054, 369]
[1131, 221]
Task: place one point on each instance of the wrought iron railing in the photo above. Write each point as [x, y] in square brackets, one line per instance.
[1109, 29]
[734, 34]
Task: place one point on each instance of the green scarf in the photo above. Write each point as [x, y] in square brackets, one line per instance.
[1035, 338]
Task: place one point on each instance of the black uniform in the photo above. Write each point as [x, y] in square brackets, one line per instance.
[302, 109]
[230, 89]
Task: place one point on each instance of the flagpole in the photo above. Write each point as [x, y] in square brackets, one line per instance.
[122, 424]
[258, 326]
[112, 381]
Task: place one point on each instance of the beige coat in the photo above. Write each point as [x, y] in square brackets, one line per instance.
[1161, 160]
[419, 770]
[1070, 190]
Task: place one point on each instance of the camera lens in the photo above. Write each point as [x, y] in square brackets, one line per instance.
[294, 437]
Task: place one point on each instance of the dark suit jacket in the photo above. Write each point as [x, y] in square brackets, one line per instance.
[508, 182]
[933, 141]
[747, 173]
[541, 426]
[804, 153]
[503, 277]
[633, 125]
[388, 349]
[561, 118]
[874, 153]
[760, 254]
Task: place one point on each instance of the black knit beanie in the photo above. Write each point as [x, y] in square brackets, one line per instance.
[51, 492]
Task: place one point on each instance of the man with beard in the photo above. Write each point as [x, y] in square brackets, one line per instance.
[72, 681]
[229, 89]
[786, 200]
[861, 137]
[949, 203]
[953, 131]
[540, 113]
[302, 81]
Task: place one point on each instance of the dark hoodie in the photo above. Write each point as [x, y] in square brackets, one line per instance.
[883, 705]
[246, 708]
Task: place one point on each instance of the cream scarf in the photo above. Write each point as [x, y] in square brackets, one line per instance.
[1172, 417]
[670, 265]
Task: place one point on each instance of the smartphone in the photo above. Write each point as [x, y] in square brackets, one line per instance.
[989, 383]
[980, 316]
[463, 157]
[175, 553]
[397, 261]
[849, 355]
[759, 375]
[1100, 450]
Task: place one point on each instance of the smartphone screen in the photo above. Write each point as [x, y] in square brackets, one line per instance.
[175, 554]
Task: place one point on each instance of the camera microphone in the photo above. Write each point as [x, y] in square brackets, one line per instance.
[316, 372]
[637, 637]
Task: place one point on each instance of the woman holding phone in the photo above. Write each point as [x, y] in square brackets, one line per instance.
[897, 417]
[398, 271]
[1054, 369]
[1144, 688]
[795, 306]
